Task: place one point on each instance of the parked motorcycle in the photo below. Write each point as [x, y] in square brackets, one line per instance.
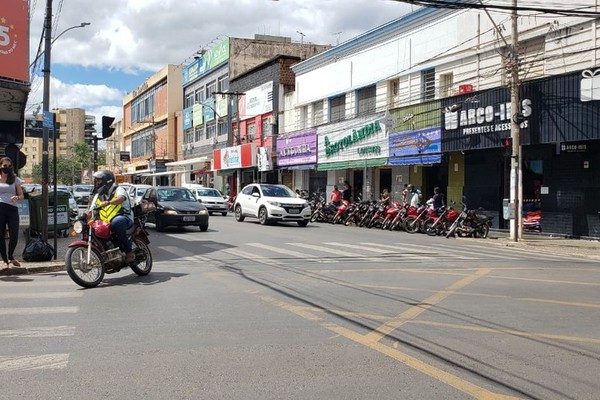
[470, 224]
[355, 212]
[341, 213]
[378, 216]
[88, 259]
[390, 214]
[439, 225]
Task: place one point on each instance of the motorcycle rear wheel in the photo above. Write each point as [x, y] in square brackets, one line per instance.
[143, 258]
[84, 274]
[482, 232]
[432, 230]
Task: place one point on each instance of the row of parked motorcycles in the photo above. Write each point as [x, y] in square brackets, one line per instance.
[395, 216]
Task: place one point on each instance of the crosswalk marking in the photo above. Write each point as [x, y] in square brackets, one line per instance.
[27, 363]
[452, 252]
[286, 252]
[391, 250]
[41, 295]
[37, 310]
[251, 256]
[49, 331]
[338, 253]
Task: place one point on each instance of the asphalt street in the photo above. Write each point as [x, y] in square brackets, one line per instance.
[246, 311]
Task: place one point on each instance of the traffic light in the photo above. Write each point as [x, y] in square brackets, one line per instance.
[507, 145]
[107, 131]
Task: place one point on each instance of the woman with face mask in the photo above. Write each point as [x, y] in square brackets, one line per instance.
[10, 192]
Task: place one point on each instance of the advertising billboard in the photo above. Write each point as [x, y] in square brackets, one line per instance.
[14, 40]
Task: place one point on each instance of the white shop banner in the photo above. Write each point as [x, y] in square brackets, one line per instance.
[358, 139]
[259, 100]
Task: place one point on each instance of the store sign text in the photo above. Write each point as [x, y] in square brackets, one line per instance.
[357, 136]
[486, 119]
[295, 150]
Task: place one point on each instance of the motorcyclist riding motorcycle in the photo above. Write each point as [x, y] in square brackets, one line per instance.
[115, 208]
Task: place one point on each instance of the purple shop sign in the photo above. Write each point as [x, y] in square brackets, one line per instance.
[297, 148]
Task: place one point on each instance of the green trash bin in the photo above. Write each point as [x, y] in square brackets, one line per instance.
[62, 207]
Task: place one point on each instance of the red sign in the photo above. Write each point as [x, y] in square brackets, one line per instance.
[243, 156]
[14, 40]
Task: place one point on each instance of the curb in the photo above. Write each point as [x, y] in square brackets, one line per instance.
[34, 269]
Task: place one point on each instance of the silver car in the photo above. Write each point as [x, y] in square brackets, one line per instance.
[212, 199]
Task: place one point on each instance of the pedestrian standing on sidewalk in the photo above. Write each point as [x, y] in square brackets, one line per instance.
[10, 192]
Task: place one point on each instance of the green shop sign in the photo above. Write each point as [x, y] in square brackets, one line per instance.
[357, 136]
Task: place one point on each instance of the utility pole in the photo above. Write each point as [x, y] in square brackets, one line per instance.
[46, 109]
[515, 133]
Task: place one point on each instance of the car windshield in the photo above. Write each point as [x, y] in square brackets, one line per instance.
[86, 189]
[277, 191]
[209, 193]
[175, 194]
[141, 191]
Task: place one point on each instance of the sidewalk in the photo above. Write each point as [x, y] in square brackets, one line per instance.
[40, 267]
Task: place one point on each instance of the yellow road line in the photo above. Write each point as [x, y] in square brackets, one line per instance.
[412, 362]
[507, 331]
[425, 305]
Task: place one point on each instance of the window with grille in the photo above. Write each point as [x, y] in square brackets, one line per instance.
[211, 130]
[223, 126]
[365, 100]
[223, 83]
[267, 128]
[251, 131]
[317, 115]
[337, 108]
[446, 83]
[428, 84]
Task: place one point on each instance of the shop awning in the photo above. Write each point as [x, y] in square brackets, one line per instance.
[188, 161]
[165, 173]
[373, 162]
[302, 167]
[417, 160]
[139, 172]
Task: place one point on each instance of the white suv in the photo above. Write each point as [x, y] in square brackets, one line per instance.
[271, 203]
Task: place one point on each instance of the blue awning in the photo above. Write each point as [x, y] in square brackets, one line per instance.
[416, 160]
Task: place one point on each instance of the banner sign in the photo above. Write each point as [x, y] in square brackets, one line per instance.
[197, 116]
[297, 148]
[187, 118]
[208, 110]
[421, 141]
[221, 105]
[124, 156]
[258, 101]
[243, 156]
[264, 160]
[14, 40]
[213, 57]
[357, 139]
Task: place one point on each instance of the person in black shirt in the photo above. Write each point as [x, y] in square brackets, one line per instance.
[347, 193]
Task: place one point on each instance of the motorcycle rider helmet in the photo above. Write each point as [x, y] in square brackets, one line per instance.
[104, 183]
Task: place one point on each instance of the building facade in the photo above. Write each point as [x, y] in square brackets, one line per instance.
[439, 94]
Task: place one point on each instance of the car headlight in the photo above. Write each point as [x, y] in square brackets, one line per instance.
[78, 226]
[170, 212]
[274, 203]
[305, 205]
[203, 212]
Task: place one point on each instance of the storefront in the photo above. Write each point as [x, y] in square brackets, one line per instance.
[560, 141]
[238, 164]
[357, 151]
[297, 161]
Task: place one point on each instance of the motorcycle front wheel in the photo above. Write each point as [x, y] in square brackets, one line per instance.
[87, 275]
[143, 258]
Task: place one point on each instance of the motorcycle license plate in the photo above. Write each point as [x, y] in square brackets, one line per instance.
[294, 211]
[191, 218]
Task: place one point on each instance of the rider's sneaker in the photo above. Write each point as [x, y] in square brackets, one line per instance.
[130, 257]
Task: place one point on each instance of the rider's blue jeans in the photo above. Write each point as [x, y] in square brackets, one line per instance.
[119, 226]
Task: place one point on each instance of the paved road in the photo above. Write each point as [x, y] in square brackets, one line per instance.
[245, 311]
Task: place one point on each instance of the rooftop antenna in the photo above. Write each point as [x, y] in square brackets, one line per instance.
[337, 34]
[301, 37]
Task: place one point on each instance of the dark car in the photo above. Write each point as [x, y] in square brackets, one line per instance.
[82, 194]
[174, 206]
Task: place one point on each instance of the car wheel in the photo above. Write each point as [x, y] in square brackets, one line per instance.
[159, 224]
[238, 214]
[303, 223]
[263, 216]
[224, 214]
[203, 228]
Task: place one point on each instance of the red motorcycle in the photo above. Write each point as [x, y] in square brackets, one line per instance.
[436, 226]
[341, 213]
[415, 223]
[88, 259]
[390, 214]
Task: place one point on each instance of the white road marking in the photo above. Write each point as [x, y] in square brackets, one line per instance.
[286, 252]
[390, 249]
[41, 295]
[51, 331]
[340, 253]
[28, 363]
[37, 310]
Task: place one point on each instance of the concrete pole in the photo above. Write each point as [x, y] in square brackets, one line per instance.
[46, 108]
[515, 108]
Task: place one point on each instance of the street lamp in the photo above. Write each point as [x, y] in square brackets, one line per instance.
[46, 102]
[81, 25]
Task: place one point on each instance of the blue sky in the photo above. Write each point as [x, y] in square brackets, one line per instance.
[127, 41]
